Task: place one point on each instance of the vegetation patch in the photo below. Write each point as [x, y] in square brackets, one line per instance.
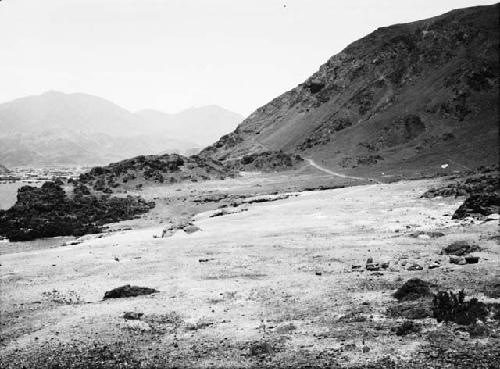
[49, 212]
[411, 310]
[265, 161]
[407, 327]
[167, 168]
[450, 307]
[413, 289]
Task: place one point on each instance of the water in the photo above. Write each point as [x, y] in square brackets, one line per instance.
[7, 247]
[8, 192]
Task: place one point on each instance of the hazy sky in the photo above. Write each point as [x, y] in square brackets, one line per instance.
[173, 54]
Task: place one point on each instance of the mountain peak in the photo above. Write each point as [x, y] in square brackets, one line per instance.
[77, 128]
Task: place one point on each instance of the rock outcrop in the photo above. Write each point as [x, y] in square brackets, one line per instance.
[167, 168]
[482, 190]
[49, 212]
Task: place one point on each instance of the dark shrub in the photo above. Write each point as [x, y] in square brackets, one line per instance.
[413, 289]
[450, 307]
[407, 327]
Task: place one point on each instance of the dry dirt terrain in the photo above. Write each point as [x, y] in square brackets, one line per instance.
[278, 284]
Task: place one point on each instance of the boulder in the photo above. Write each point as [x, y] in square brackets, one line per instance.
[470, 259]
[128, 291]
[191, 229]
[459, 248]
[130, 315]
[415, 266]
[373, 267]
[459, 260]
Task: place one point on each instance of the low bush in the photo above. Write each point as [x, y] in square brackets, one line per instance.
[413, 289]
[408, 327]
[450, 307]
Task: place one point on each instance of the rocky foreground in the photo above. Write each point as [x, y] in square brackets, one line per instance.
[360, 277]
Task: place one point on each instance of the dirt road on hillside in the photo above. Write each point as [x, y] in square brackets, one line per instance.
[328, 171]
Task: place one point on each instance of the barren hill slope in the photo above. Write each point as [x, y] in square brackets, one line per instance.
[406, 97]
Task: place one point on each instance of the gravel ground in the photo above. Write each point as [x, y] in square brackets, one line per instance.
[283, 284]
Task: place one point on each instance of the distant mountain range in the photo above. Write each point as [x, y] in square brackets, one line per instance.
[55, 128]
[408, 97]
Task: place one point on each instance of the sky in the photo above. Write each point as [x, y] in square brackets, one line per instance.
[174, 54]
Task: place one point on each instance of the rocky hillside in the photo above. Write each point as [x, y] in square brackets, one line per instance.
[55, 128]
[405, 97]
[168, 168]
[174, 168]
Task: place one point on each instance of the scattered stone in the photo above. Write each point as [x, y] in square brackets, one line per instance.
[385, 265]
[319, 273]
[136, 325]
[349, 347]
[129, 315]
[261, 348]
[459, 248]
[128, 291]
[426, 235]
[286, 328]
[414, 267]
[459, 260]
[167, 232]
[373, 267]
[470, 259]
[204, 260]
[434, 265]
[356, 267]
[407, 327]
[366, 349]
[191, 229]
